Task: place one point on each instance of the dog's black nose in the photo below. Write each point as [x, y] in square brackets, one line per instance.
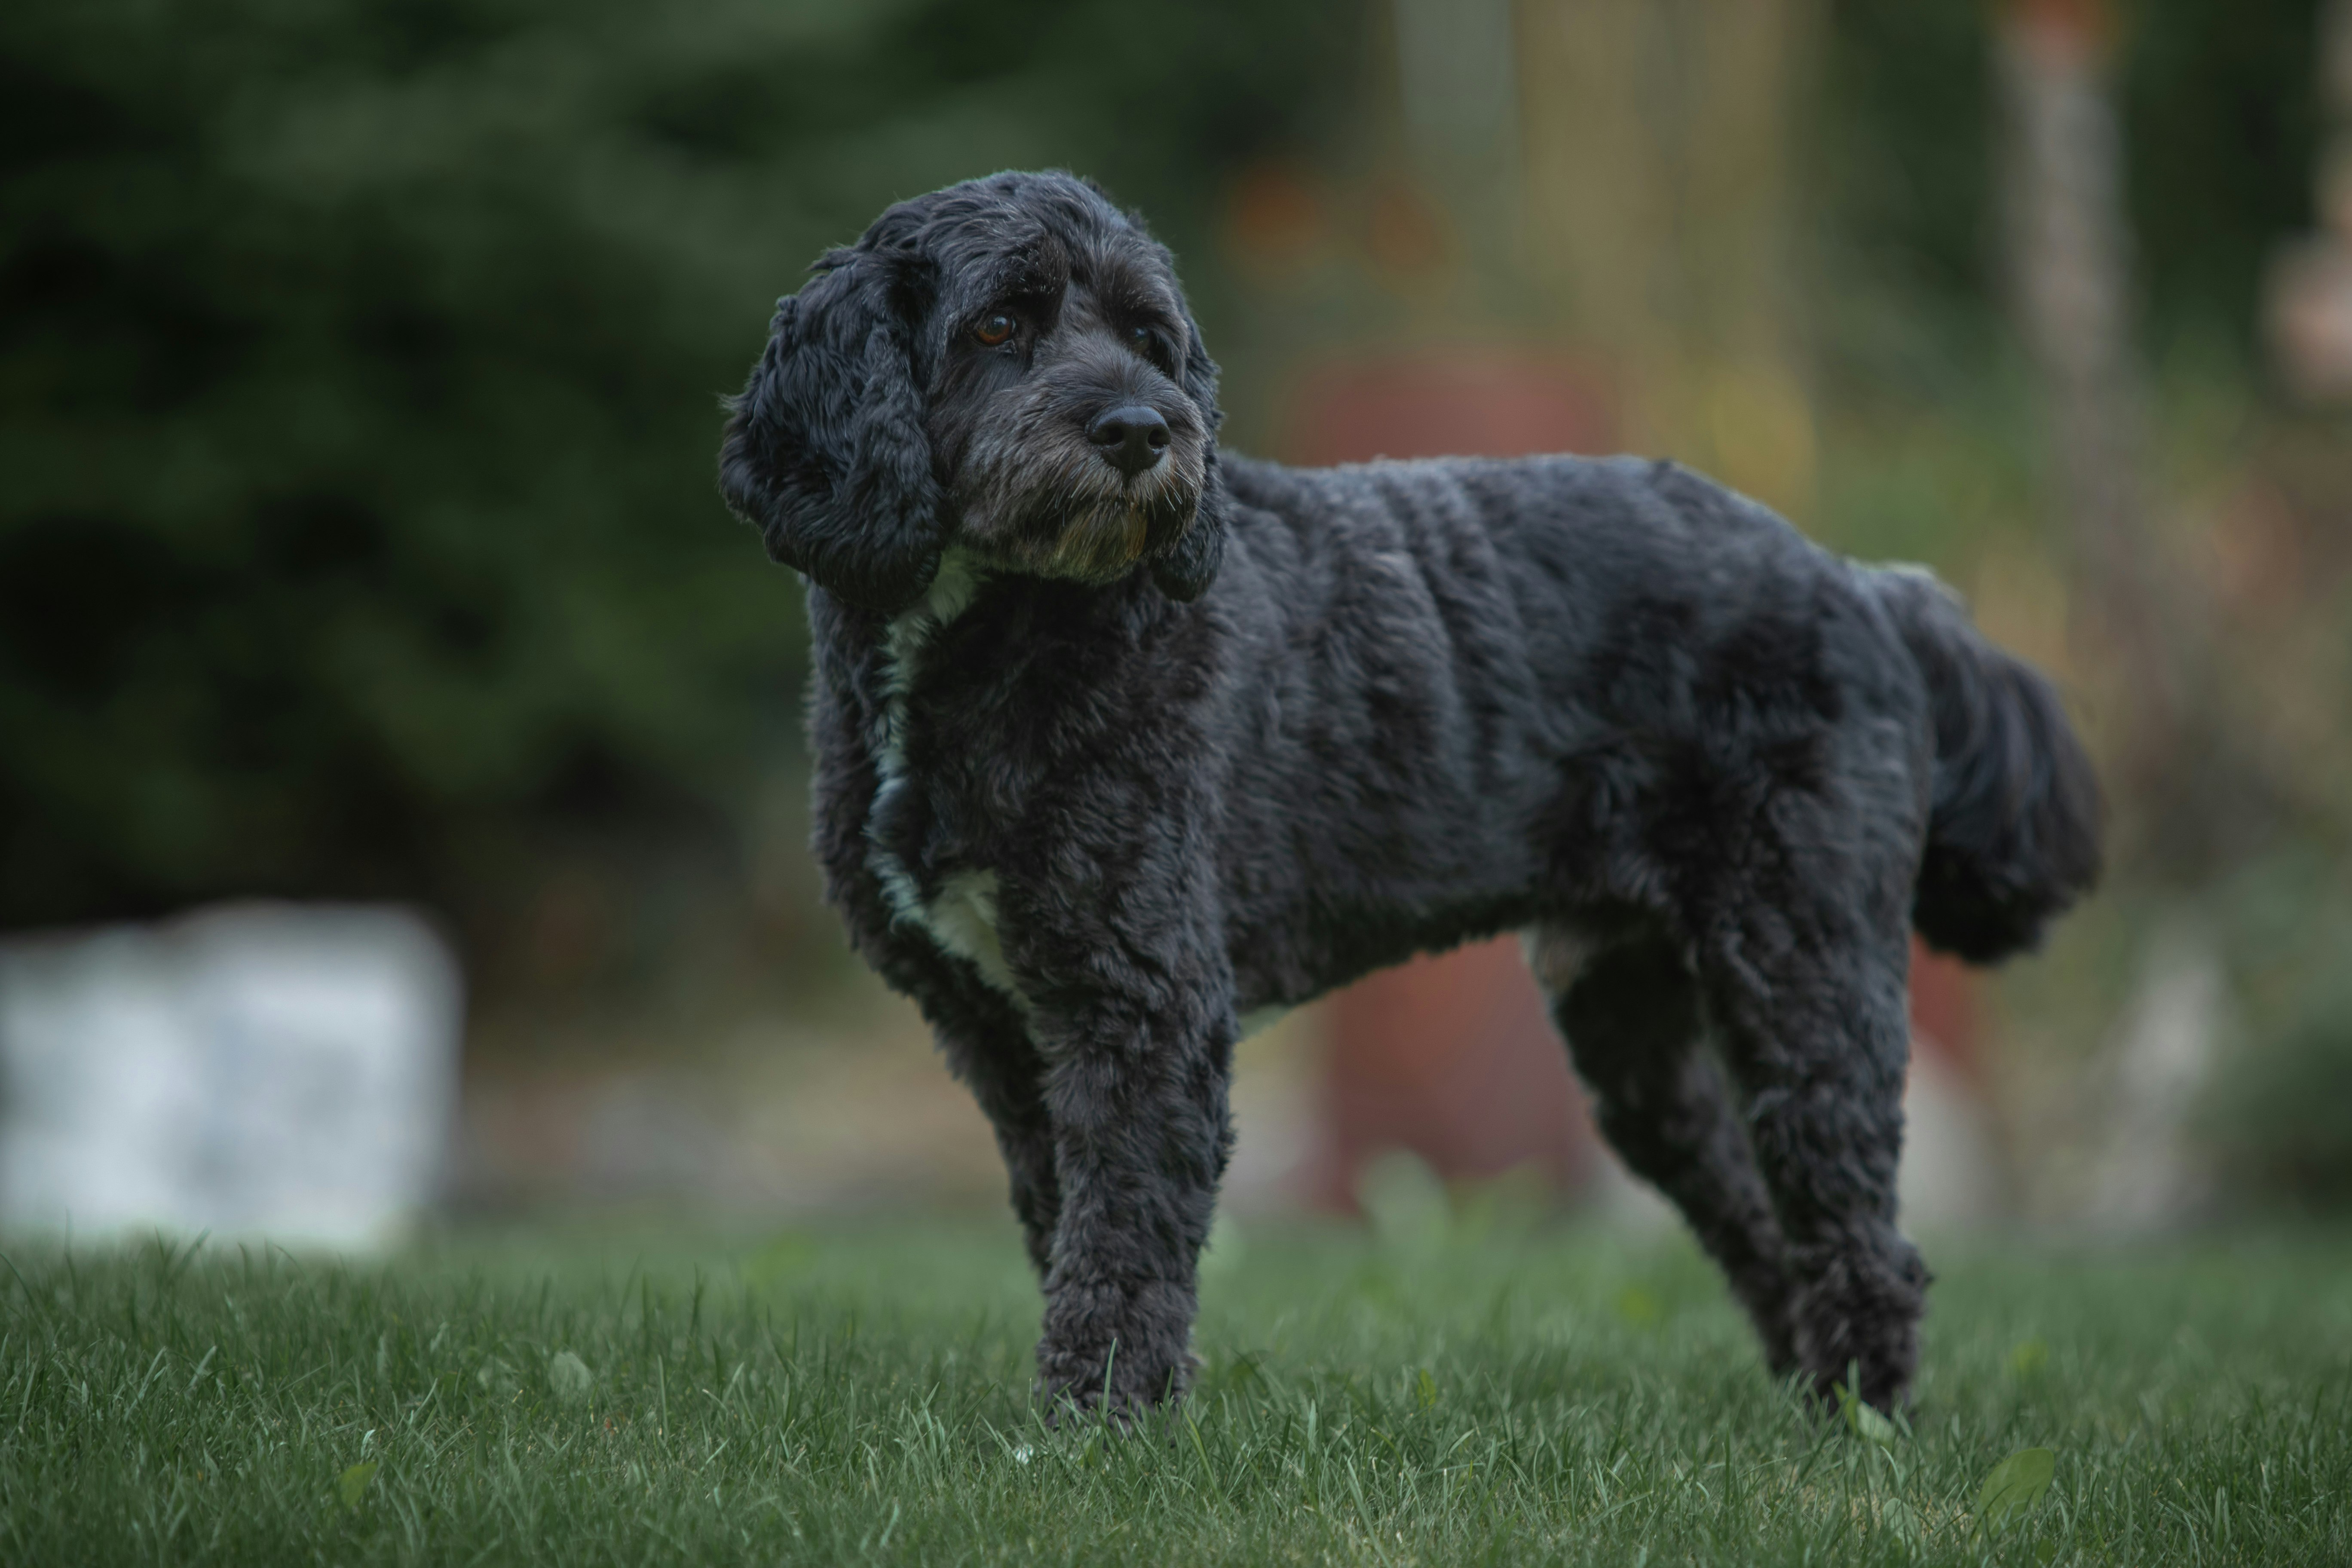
[1131, 435]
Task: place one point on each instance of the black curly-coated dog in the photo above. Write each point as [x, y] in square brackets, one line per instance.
[1120, 739]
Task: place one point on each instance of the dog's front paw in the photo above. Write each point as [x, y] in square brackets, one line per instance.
[1114, 1383]
[1116, 1352]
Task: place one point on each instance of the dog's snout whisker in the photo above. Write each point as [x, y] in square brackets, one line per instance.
[1131, 437]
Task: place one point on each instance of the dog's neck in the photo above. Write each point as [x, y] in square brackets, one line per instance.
[877, 662]
[911, 630]
[905, 639]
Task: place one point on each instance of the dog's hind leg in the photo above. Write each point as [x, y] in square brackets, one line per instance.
[1811, 1009]
[1632, 1019]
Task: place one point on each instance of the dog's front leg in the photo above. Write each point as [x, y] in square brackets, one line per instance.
[1135, 1087]
[988, 1047]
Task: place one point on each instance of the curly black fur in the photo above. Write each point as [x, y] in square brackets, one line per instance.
[1088, 811]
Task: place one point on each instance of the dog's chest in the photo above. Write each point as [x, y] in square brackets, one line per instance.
[956, 908]
[945, 788]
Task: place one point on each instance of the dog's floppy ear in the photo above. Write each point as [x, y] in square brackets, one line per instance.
[825, 452]
[1186, 568]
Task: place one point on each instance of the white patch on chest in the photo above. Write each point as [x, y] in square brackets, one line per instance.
[962, 919]
[962, 916]
[1556, 956]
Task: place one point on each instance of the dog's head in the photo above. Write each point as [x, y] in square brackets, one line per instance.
[1006, 365]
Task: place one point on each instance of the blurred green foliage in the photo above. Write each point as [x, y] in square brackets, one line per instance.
[2279, 1115]
[2221, 120]
[1939, 450]
[359, 389]
[2222, 117]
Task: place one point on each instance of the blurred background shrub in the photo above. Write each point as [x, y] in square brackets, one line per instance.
[362, 380]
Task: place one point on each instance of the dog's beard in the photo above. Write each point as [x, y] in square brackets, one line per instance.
[1054, 508]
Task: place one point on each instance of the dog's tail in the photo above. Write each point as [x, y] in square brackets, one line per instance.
[2014, 832]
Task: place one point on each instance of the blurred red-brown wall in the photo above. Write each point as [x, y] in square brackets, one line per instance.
[1452, 1056]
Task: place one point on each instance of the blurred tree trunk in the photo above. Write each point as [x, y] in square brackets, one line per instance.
[2191, 795]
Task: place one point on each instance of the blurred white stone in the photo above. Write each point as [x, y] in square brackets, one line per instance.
[1626, 1202]
[2146, 1173]
[1950, 1177]
[1279, 1113]
[254, 1070]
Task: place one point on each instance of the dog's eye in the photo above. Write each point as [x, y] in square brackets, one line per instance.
[1140, 340]
[994, 330]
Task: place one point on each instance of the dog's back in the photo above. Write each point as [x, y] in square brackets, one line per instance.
[1490, 694]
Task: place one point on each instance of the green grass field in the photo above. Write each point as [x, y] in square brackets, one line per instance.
[1499, 1394]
